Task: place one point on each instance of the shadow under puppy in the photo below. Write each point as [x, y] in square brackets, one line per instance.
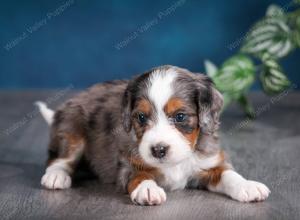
[154, 133]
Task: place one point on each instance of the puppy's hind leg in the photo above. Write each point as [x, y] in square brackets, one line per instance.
[64, 154]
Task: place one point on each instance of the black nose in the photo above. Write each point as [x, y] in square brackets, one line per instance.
[159, 151]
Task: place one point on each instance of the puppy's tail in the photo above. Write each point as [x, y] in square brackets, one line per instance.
[46, 112]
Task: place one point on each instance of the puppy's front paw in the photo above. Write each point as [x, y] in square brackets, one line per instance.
[148, 193]
[250, 191]
[56, 179]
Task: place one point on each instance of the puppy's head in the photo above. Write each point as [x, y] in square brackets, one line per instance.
[168, 109]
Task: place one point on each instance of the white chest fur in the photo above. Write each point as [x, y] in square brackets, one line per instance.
[177, 176]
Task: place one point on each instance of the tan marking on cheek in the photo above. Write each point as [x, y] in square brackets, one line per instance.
[173, 105]
[192, 137]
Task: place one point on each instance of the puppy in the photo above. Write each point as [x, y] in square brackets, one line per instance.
[154, 133]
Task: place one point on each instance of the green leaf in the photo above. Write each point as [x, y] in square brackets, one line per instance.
[235, 76]
[271, 35]
[210, 68]
[272, 76]
[274, 11]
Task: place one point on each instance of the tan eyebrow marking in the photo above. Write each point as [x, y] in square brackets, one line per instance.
[143, 105]
[173, 105]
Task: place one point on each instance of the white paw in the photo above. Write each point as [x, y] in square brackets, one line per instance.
[250, 191]
[56, 179]
[148, 193]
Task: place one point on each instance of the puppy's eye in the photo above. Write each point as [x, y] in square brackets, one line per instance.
[180, 117]
[142, 118]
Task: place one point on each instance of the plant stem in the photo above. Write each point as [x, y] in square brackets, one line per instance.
[245, 104]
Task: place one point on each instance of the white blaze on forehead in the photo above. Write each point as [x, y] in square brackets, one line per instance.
[160, 90]
[160, 87]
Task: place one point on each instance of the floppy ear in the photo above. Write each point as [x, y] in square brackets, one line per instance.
[130, 96]
[210, 103]
[127, 108]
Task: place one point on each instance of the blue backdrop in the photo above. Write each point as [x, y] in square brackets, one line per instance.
[50, 44]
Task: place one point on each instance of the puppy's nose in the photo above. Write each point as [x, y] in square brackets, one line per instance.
[159, 151]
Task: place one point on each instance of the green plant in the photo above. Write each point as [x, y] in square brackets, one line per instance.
[269, 40]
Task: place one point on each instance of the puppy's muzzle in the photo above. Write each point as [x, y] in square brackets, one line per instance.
[159, 150]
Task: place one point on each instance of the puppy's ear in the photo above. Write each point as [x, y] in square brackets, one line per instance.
[127, 108]
[130, 96]
[210, 103]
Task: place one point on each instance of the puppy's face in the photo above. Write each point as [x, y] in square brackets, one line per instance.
[168, 109]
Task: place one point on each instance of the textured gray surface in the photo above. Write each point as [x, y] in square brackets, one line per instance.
[267, 150]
